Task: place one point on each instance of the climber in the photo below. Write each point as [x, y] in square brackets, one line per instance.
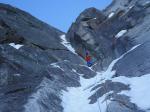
[88, 59]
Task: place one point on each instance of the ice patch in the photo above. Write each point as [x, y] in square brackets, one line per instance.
[16, 46]
[121, 33]
[67, 44]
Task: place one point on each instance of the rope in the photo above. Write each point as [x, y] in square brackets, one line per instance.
[107, 110]
[105, 96]
[98, 103]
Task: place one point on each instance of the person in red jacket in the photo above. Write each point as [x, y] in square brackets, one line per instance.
[88, 59]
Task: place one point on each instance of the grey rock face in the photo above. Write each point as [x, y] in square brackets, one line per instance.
[96, 32]
[138, 67]
[107, 87]
[121, 107]
[65, 55]
[133, 64]
[90, 14]
[19, 27]
[33, 77]
[82, 33]
[30, 77]
[22, 74]
[118, 5]
[100, 40]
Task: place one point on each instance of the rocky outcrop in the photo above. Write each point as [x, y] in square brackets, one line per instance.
[34, 74]
[98, 34]
[111, 35]
[137, 68]
[21, 28]
[84, 35]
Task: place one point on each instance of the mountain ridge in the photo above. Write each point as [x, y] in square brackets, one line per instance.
[41, 67]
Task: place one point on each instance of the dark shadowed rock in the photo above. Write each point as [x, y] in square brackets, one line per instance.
[81, 34]
[65, 55]
[17, 26]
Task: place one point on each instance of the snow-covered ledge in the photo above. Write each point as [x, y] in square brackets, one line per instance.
[67, 44]
[16, 46]
[111, 15]
[120, 34]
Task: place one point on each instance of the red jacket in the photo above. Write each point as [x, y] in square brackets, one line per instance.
[88, 58]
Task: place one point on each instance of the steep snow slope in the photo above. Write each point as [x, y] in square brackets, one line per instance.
[77, 99]
[41, 69]
[67, 44]
[139, 93]
[123, 25]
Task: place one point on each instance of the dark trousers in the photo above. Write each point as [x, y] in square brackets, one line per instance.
[89, 63]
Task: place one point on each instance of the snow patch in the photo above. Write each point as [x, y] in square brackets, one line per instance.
[140, 91]
[121, 33]
[111, 15]
[18, 75]
[67, 44]
[108, 74]
[74, 70]
[16, 46]
[77, 72]
[76, 99]
[42, 93]
[131, 7]
[56, 66]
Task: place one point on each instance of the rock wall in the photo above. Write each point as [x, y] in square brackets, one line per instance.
[33, 75]
[109, 34]
[35, 66]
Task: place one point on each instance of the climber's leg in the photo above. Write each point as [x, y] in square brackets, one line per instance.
[89, 63]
